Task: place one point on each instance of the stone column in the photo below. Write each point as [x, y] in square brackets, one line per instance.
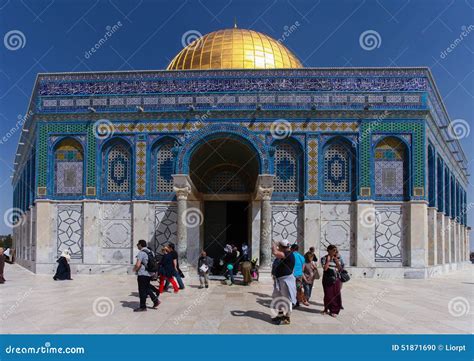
[432, 236]
[182, 231]
[440, 238]
[312, 226]
[45, 242]
[264, 190]
[91, 235]
[447, 239]
[185, 190]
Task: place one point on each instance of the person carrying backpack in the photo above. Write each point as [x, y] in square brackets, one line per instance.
[145, 266]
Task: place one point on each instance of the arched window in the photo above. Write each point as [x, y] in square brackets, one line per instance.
[431, 177]
[391, 169]
[440, 185]
[68, 168]
[339, 174]
[163, 167]
[287, 163]
[117, 168]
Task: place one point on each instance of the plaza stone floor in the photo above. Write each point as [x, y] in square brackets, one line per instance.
[103, 304]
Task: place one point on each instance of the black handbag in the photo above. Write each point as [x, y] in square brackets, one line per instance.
[344, 276]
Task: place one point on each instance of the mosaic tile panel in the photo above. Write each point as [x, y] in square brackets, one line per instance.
[418, 150]
[70, 230]
[388, 234]
[140, 168]
[312, 166]
[166, 225]
[336, 168]
[118, 167]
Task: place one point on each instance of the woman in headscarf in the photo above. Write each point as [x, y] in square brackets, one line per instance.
[2, 265]
[63, 272]
[332, 282]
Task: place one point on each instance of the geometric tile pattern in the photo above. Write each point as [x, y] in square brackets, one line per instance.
[69, 230]
[286, 165]
[116, 232]
[285, 223]
[140, 168]
[118, 168]
[69, 178]
[388, 234]
[312, 166]
[166, 225]
[389, 168]
[336, 169]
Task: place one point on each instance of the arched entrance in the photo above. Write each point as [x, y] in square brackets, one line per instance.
[224, 171]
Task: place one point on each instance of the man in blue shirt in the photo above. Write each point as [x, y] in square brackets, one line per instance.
[298, 273]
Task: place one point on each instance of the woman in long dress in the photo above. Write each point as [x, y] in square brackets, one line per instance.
[63, 272]
[332, 282]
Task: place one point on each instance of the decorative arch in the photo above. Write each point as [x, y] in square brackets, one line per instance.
[232, 131]
[392, 169]
[431, 176]
[163, 165]
[68, 167]
[339, 176]
[288, 166]
[117, 168]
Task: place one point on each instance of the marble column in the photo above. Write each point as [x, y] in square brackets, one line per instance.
[264, 190]
[182, 230]
[432, 236]
[441, 238]
[365, 233]
[418, 234]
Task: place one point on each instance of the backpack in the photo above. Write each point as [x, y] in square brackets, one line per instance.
[153, 263]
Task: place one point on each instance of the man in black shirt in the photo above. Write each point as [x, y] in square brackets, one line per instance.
[177, 273]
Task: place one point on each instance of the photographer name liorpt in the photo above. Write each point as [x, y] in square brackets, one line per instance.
[455, 348]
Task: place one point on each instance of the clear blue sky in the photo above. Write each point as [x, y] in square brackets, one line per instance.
[59, 32]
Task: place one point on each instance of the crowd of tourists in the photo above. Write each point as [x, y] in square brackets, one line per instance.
[293, 274]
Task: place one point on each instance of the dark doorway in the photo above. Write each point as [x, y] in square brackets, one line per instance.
[225, 223]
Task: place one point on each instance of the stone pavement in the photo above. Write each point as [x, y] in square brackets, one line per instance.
[103, 304]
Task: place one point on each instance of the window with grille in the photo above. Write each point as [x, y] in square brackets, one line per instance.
[118, 165]
[227, 181]
[164, 168]
[286, 167]
[390, 168]
[69, 168]
[336, 169]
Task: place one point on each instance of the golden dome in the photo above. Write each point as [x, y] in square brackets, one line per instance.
[234, 49]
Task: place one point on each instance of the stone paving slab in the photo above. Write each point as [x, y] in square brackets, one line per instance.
[95, 304]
